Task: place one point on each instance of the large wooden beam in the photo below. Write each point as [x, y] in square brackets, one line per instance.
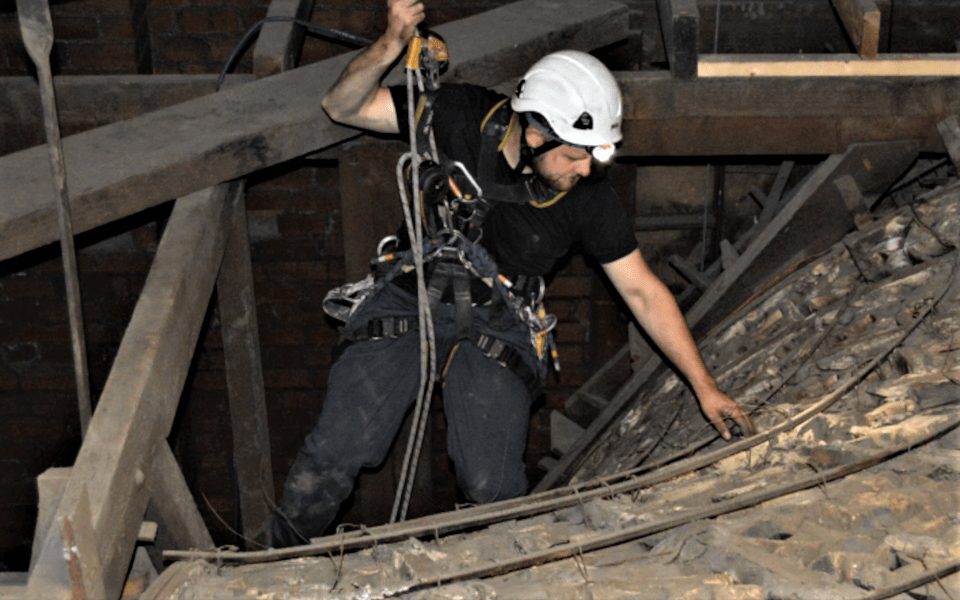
[828, 65]
[780, 116]
[126, 167]
[680, 24]
[861, 19]
[107, 486]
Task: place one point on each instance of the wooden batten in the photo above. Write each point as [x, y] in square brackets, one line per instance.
[828, 65]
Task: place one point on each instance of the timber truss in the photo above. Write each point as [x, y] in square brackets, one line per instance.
[199, 151]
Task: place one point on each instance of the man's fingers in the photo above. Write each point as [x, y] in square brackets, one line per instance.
[746, 425]
[721, 428]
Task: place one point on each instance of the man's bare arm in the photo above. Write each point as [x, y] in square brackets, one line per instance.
[656, 310]
[357, 99]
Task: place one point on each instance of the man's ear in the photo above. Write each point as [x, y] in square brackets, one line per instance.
[535, 138]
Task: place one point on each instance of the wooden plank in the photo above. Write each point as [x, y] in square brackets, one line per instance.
[680, 24]
[194, 145]
[811, 221]
[861, 19]
[248, 406]
[828, 65]
[172, 505]
[810, 115]
[140, 398]
[949, 130]
[689, 272]
[278, 45]
[50, 486]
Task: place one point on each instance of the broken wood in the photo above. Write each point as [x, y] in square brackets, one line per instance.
[680, 24]
[828, 65]
[810, 223]
[140, 397]
[563, 432]
[861, 19]
[949, 130]
[194, 145]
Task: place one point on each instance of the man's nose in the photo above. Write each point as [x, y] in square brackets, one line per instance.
[583, 168]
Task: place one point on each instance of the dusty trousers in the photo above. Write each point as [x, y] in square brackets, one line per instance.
[371, 387]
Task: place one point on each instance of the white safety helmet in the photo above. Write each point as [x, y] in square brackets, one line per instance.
[578, 97]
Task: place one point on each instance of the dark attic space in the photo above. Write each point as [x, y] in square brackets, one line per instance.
[788, 169]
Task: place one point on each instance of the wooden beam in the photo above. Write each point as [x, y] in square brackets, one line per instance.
[248, 406]
[680, 24]
[126, 167]
[140, 398]
[172, 505]
[278, 45]
[949, 130]
[861, 19]
[780, 116]
[828, 65]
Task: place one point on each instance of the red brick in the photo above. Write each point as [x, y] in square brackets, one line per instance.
[76, 27]
[569, 287]
[208, 20]
[324, 200]
[116, 27]
[287, 378]
[326, 336]
[162, 21]
[182, 49]
[281, 337]
[48, 382]
[90, 6]
[566, 333]
[106, 56]
[263, 199]
[300, 401]
[10, 28]
[8, 381]
[25, 287]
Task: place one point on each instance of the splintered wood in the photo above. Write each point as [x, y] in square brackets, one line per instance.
[850, 365]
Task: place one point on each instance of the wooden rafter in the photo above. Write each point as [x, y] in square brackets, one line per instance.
[861, 19]
[680, 24]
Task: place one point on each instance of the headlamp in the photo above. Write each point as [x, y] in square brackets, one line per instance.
[603, 153]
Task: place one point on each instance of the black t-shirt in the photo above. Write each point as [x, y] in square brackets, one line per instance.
[525, 239]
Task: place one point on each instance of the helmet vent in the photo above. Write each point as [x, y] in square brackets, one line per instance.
[584, 121]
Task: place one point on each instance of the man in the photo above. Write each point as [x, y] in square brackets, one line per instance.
[533, 156]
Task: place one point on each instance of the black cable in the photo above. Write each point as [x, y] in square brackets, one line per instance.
[330, 33]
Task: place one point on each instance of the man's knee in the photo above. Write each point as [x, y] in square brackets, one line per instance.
[484, 488]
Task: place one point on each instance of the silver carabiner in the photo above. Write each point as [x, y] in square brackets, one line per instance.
[387, 240]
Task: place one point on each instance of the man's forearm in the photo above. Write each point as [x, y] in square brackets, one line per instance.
[359, 83]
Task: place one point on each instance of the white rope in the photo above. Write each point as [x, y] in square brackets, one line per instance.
[427, 338]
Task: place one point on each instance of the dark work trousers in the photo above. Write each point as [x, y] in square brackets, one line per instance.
[371, 387]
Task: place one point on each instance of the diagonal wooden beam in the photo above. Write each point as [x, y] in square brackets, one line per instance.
[680, 24]
[139, 400]
[126, 167]
[861, 19]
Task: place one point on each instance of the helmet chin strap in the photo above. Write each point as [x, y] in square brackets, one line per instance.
[527, 152]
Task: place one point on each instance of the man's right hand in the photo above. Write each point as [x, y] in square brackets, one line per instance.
[403, 16]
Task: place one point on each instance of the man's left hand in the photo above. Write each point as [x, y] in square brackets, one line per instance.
[718, 407]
